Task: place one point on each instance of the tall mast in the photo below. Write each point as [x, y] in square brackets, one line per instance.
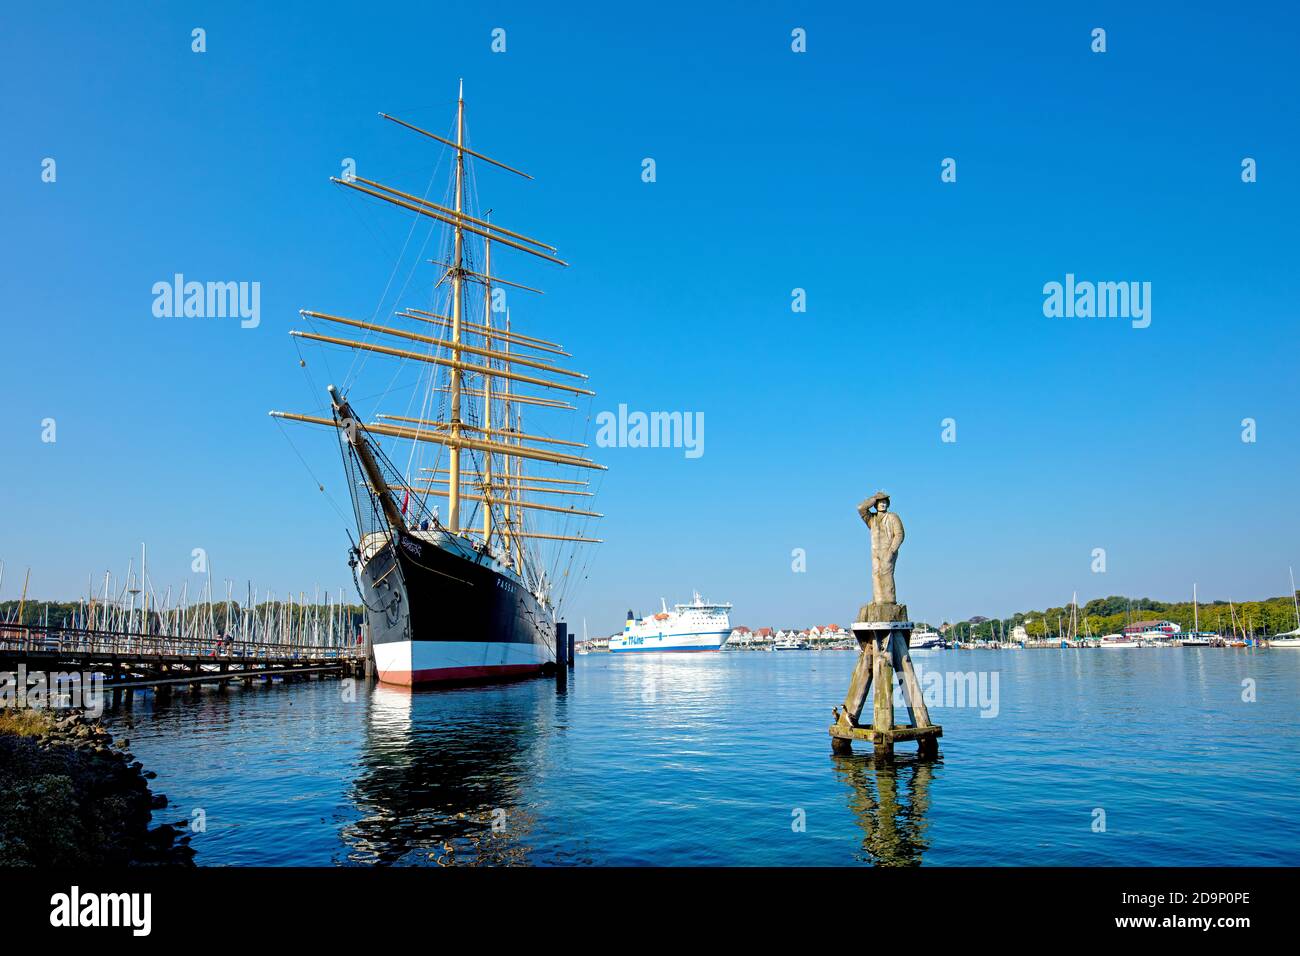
[519, 474]
[513, 473]
[22, 601]
[453, 495]
[486, 477]
[506, 489]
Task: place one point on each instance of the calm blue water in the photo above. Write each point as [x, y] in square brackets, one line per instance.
[715, 758]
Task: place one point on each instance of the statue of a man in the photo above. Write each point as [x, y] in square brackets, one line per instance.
[886, 538]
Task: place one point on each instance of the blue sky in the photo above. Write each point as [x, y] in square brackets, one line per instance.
[776, 170]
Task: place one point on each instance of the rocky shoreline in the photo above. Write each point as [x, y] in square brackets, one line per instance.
[71, 796]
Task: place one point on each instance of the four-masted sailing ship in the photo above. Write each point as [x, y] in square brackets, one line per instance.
[472, 595]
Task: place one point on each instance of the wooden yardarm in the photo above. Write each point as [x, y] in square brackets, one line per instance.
[884, 652]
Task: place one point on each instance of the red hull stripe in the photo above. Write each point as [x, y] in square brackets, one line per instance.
[445, 675]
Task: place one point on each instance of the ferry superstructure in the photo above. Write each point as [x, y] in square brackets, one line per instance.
[698, 626]
[926, 641]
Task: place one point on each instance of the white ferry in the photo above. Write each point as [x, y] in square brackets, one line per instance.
[697, 626]
[926, 641]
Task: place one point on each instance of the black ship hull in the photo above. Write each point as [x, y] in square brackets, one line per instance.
[441, 613]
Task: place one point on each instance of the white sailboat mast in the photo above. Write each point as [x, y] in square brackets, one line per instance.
[1295, 599]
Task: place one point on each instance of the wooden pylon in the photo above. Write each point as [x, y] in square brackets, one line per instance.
[884, 651]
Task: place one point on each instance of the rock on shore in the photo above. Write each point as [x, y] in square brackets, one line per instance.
[68, 797]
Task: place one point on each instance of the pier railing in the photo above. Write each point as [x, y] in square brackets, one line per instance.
[38, 639]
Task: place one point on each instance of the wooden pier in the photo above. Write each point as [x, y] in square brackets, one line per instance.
[130, 661]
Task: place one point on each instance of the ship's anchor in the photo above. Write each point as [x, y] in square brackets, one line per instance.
[393, 610]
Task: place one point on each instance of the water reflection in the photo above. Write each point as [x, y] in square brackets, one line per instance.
[442, 774]
[889, 801]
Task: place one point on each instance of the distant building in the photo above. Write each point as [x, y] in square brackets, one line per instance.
[820, 635]
[826, 633]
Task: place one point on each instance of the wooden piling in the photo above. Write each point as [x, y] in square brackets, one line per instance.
[562, 654]
[882, 674]
[856, 698]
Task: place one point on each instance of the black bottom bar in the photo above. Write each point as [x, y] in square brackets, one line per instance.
[858, 906]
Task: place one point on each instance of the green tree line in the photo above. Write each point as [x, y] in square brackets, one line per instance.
[1109, 615]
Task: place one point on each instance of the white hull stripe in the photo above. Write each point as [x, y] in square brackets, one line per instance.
[405, 662]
